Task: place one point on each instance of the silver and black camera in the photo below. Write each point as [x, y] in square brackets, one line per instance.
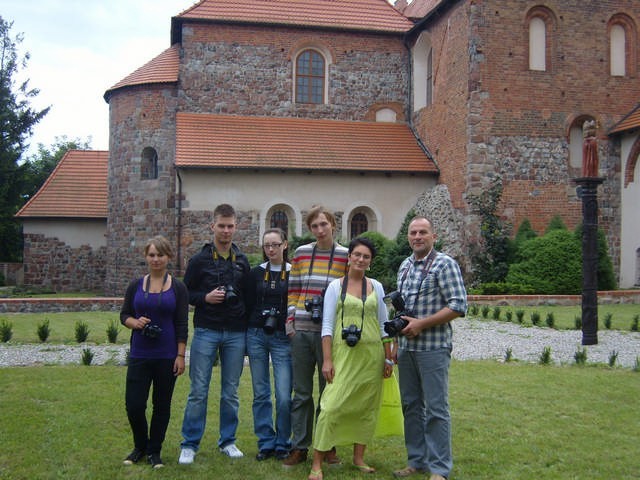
[151, 331]
[394, 326]
[270, 318]
[351, 335]
[315, 307]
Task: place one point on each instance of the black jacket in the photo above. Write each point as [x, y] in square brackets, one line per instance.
[204, 273]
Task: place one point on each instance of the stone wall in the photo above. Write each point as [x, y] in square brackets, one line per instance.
[52, 264]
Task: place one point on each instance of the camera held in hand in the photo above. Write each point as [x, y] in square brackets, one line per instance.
[151, 331]
[270, 318]
[315, 307]
[351, 335]
[230, 295]
[394, 326]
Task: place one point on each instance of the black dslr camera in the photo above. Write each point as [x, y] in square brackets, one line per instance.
[315, 307]
[394, 326]
[270, 318]
[151, 331]
[230, 295]
[351, 335]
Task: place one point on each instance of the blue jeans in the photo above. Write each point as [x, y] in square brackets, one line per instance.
[424, 389]
[259, 347]
[204, 346]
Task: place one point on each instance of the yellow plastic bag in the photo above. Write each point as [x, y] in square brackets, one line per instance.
[390, 419]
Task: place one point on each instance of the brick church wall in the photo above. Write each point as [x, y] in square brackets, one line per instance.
[139, 208]
[61, 268]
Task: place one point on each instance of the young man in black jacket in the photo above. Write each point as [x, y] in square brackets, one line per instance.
[215, 278]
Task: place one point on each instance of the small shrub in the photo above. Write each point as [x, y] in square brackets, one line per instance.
[87, 356]
[550, 320]
[580, 356]
[508, 315]
[545, 356]
[6, 330]
[535, 318]
[636, 366]
[473, 310]
[496, 313]
[520, 315]
[82, 331]
[508, 354]
[577, 322]
[607, 320]
[43, 330]
[634, 322]
[113, 329]
[613, 356]
[485, 311]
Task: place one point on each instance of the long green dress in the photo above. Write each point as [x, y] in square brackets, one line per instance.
[349, 406]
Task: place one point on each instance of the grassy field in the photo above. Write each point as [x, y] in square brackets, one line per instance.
[62, 325]
[510, 421]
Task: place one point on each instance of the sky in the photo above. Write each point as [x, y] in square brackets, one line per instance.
[80, 48]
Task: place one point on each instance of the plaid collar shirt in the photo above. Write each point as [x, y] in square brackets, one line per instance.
[426, 293]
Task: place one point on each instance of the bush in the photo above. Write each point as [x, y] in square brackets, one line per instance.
[6, 330]
[474, 309]
[607, 320]
[113, 329]
[535, 318]
[509, 315]
[508, 354]
[580, 356]
[82, 331]
[577, 321]
[485, 311]
[496, 313]
[613, 357]
[545, 356]
[606, 276]
[550, 320]
[43, 330]
[379, 269]
[87, 356]
[550, 265]
[634, 322]
[519, 315]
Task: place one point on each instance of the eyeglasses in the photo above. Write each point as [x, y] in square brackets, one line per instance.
[272, 245]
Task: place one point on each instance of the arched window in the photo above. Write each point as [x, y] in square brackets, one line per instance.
[310, 77]
[422, 57]
[623, 46]
[537, 44]
[280, 220]
[149, 164]
[359, 224]
[618, 50]
[386, 115]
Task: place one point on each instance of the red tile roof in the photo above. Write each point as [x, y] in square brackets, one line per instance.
[630, 122]
[228, 141]
[161, 69]
[368, 15]
[76, 188]
[419, 8]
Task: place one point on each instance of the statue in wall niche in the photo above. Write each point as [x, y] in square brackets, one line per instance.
[589, 149]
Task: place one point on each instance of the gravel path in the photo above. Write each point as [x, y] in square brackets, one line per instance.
[473, 340]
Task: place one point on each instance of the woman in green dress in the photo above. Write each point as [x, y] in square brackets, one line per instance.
[356, 357]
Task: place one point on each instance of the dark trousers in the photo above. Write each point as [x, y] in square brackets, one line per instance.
[141, 374]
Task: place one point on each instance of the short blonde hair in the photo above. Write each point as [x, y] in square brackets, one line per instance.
[162, 246]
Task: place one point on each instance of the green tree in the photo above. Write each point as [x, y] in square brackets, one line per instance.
[379, 266]
[556, 223]
[17, 120]
[491, 258]
[525, 232]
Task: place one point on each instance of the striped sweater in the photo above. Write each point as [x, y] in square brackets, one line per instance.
[304, 285]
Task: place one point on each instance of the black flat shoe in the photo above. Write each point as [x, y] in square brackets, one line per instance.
[134, 457]
[264, 455]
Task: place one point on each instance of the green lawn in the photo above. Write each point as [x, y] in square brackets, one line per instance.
[510, 421]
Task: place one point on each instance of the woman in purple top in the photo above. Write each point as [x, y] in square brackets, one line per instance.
[156, 309]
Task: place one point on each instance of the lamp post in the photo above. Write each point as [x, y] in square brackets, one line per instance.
[588, 190]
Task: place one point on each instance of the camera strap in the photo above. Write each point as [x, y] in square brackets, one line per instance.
[343, 296]
[423, 274]
[313, 257]
[147, 285]
[274, 283]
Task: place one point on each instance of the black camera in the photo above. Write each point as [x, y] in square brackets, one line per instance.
[270, 318]
[230, 295]
[151, 331]
[394, 326]
[351, 335]
[315, 307]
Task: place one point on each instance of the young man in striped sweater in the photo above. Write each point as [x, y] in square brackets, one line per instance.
[313, 267]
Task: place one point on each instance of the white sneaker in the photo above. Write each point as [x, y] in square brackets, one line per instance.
[232, 451]
[186, 456]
